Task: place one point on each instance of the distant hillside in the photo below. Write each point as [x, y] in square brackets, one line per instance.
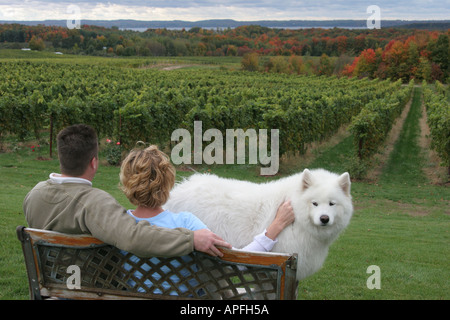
[397, 52]
[229, 23]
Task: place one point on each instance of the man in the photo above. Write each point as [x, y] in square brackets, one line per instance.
[68, 203]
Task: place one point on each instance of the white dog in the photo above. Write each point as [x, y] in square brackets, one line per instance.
[239, 210]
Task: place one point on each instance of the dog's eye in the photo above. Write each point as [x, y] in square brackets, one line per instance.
[315, 203]
[332, 203]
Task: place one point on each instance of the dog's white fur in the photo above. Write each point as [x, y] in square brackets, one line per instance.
[239, 210]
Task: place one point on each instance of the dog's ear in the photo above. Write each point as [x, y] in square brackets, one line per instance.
[306, 179]
[344, 183]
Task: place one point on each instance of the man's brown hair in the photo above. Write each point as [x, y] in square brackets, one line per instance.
[77, 145]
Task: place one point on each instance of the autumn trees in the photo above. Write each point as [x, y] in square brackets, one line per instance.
[378, 53]
[423, 56]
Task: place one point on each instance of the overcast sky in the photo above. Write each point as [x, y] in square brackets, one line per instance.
[231, 9]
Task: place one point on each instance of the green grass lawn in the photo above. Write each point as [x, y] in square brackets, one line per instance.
[401, 222]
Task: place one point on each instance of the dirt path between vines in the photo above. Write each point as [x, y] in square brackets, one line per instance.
[435, 173]
[167, 66]
[176, 67]
[382, 158]
[433, 170]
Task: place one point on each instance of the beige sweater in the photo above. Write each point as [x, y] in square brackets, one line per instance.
[77, 208]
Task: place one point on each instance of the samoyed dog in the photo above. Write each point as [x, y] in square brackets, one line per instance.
[239, 210]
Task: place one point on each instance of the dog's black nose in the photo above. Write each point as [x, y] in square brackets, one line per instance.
[324, 219]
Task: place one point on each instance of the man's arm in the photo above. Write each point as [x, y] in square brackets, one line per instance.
[79, 209]
[110, 223]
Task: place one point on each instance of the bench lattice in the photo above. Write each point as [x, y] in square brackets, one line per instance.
[105, 272]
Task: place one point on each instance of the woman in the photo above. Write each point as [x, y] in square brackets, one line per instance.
[146, 178]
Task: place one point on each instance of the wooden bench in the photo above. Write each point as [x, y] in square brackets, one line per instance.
[56, 262]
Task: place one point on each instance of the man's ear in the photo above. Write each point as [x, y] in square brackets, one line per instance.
[94, 163]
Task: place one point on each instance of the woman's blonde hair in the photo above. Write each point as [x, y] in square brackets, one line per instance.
[147, 176]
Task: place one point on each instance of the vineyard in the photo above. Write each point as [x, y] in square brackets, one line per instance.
[127, 100]
[438, 110]
[130, 105]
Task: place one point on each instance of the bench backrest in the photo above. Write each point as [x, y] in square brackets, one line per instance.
[83, 267]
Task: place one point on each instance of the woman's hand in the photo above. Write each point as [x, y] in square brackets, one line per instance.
[285, 216]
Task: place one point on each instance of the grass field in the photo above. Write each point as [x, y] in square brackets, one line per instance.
[401, 221]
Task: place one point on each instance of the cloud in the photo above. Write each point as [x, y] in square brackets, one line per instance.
[223, 9]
